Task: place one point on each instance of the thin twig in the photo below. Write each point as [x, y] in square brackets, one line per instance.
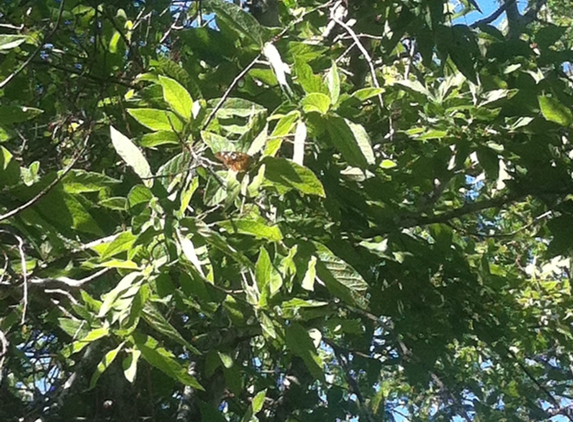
[70, 281]
[368, 59]
[48, 188]
[38, 49]
[549, 395]
[24, 269]
[228, 91]
[3, 352]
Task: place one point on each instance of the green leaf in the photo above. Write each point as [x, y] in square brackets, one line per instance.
[217, 143]
[263, 269]
[163, 360]
[131, 155]
[300, 343]
[92, 336]
[17, 114]
[104, 364]
[367, 93]
[130, 365]
[237, 107]
[259, 401]
[237, 19]
[73, 327]
[258, 229]
[310, 275]
[158, 322]
[81, 181]
[9, 168]
[555, 111]
[316, 102]
[110, 298]
[226, 360]
[339, 277]
[310, 82]
[156, 120]
[177, 97]
[8, 42]
[333, 83]
[162, 137]
[189, 251]
[121, 243]
[267, 325]
[301, 303]
[284, 175]
[351, 140]
[209, 413]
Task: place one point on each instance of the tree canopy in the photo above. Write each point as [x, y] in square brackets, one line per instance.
[291, 210]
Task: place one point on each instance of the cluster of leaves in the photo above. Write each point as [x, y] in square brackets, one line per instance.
[399, 244]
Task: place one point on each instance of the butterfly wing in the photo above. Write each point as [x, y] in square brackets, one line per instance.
[235, 161]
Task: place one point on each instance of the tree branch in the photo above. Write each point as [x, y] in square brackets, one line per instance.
[494, 15]
[37, 50]
[48, 188]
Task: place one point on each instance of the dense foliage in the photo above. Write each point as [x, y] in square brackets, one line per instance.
[363, 212]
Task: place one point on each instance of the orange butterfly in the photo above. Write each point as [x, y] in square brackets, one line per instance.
[233, 160]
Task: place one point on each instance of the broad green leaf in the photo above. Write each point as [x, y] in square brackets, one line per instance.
[367, 93]
[387, 164]
[120, 263]
[210, 413]
[237, 107]
[10, 114]
[225, 359]
[284, 175]
[8, 42]
[92, 336]
[258, 401]
[189, 251]
[298, 340]
[267, 325]
[299, 143]
[162, 137]
[554, 111]
[263, 269]
[73, 327]
[163, 360]
[351, 140]
[81, 181]
[177, 97]
[316, 102]
[302, 303]
[310, 275]
[131, 155]
[415, 86]
[156, 120]
[285, 124]
[279, 67]
[140, 299]
[217, 143]
[111, 297]
[236, 18]
[104, 364]
[158, 322]
[9, 168]
[233, 379]
[310, 82]
[341, 270]
[82, 220]
[256, 228]
[121, 243]
[130, 365]
[333, 83]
